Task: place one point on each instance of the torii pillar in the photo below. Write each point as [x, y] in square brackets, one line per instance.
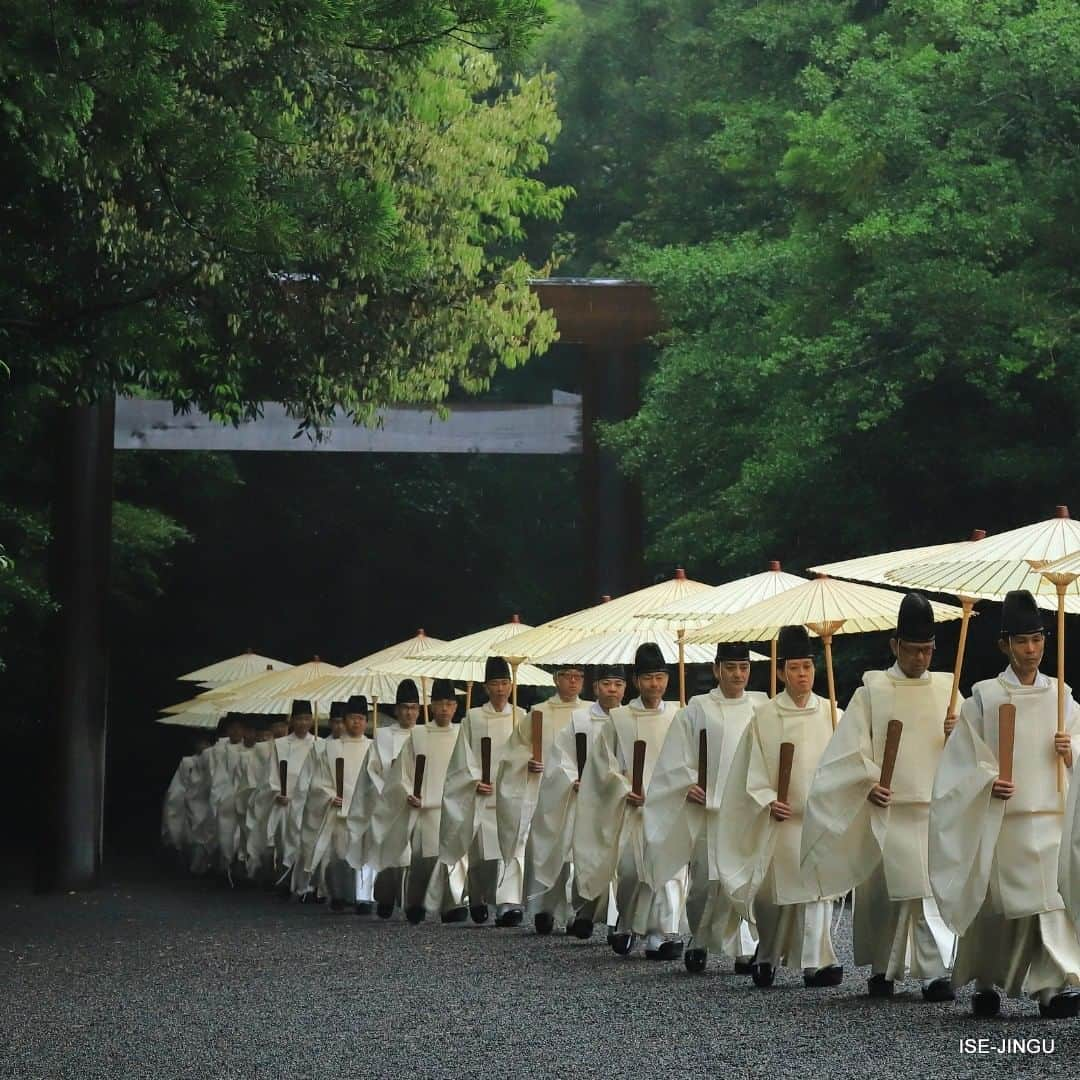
[611, 320]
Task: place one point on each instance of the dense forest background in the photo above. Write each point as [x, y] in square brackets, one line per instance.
[860, 216]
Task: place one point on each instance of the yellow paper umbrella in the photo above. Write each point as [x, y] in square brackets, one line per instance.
[621, 648]
[826, 607]
[1062, 574]
[877, 568]
[208, 700]
[729, 598]
[415, 646]
[236, 667]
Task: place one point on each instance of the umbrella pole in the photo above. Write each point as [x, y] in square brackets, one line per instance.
[682, 668]
[316, 719]
[468, 695]
[374, 715]
[424, 695]
[967, 604]
[827, 641]
[772, 668]
[514, 661]
[1061, 586]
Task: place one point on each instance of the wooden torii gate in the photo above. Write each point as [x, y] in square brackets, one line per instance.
[608, 320]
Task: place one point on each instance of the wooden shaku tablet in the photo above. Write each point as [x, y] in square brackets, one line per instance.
[892, 745]
[485, 759]
[703, 759]
[418, 775]
[283, 776]
[537, 735]
[581, 744]
[339, 776]
[1006, 738]
[787, 756]
[638, 782]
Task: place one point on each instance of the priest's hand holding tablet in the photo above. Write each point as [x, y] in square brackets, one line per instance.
[880, 796]
[281, 800]
[634, 799]
[535, 766]
[484, 789]
[413, 801]
[696, 795]
[1003, 789]
[950, 724]
[781, 811]
[337, 800]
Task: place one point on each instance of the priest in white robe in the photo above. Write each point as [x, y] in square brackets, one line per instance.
[405, 825]
[278, 803]
[224, 762]
[551, 884]
[518, 782]
[609, 830]
[682, 818]
[388, 741]
[469, 825]
[757, 854]
[327, 829]
[859, 834]
[177, 811]
[994, 844]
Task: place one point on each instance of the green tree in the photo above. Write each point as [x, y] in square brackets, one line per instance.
[228, 201]
[871, 334]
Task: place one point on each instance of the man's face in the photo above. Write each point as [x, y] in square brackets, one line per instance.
[498, 692]
[651, 687]
[407, 714]
[301, 725]
[235, 732]
[264, 736]
[337, 727]
[355, 724]
[1025, 652]
[568, 683]
[912, 657]
[732, 676]
[442, 712]
[249, 735]
[609, 693]
[798, 676]
[279, 729]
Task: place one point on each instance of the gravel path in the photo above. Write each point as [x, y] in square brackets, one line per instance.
[159, 976]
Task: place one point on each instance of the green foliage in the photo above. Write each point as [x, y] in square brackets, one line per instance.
[861, 219]
[228, 201]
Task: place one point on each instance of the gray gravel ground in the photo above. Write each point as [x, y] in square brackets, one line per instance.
[161, 976]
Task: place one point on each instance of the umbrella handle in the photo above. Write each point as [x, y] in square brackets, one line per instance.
[682, 668]
[961, 646]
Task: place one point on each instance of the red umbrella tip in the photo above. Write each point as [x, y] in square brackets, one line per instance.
[978, 534]
[680, 574]
[820, 577]
[420, 632]
[1061, 511]
[774, 564]
[249, 650]
[315, 658]
[606, 598]
[515, 617]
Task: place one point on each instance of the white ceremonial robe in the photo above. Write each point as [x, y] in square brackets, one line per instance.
[680, 834]
[609, 833]
[225, 761]
[279, 824]
[549, 852]
[518, 789]
[406, 837]
[881, 852]
[248, 775]
[176, 821]
[327, 829]
[203, 823]
[757, 857]
[469, 824]
[994, 862]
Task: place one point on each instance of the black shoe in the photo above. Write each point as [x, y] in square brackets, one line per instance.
[833, 975]
[543, 922]
[457, 914]
[512, 917]
[986, 1003]
[695, 960]
[384, 911]
[479, 913]
[744, 967]
[764, 975]
[621, 944]
[1060, 1007]
[365, 907]
[415, 915]
[939, 990]
[581, 928]
[669, 950]
[337, 906]
[878, 986]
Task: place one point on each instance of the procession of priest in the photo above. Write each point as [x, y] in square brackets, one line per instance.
[730, 827]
